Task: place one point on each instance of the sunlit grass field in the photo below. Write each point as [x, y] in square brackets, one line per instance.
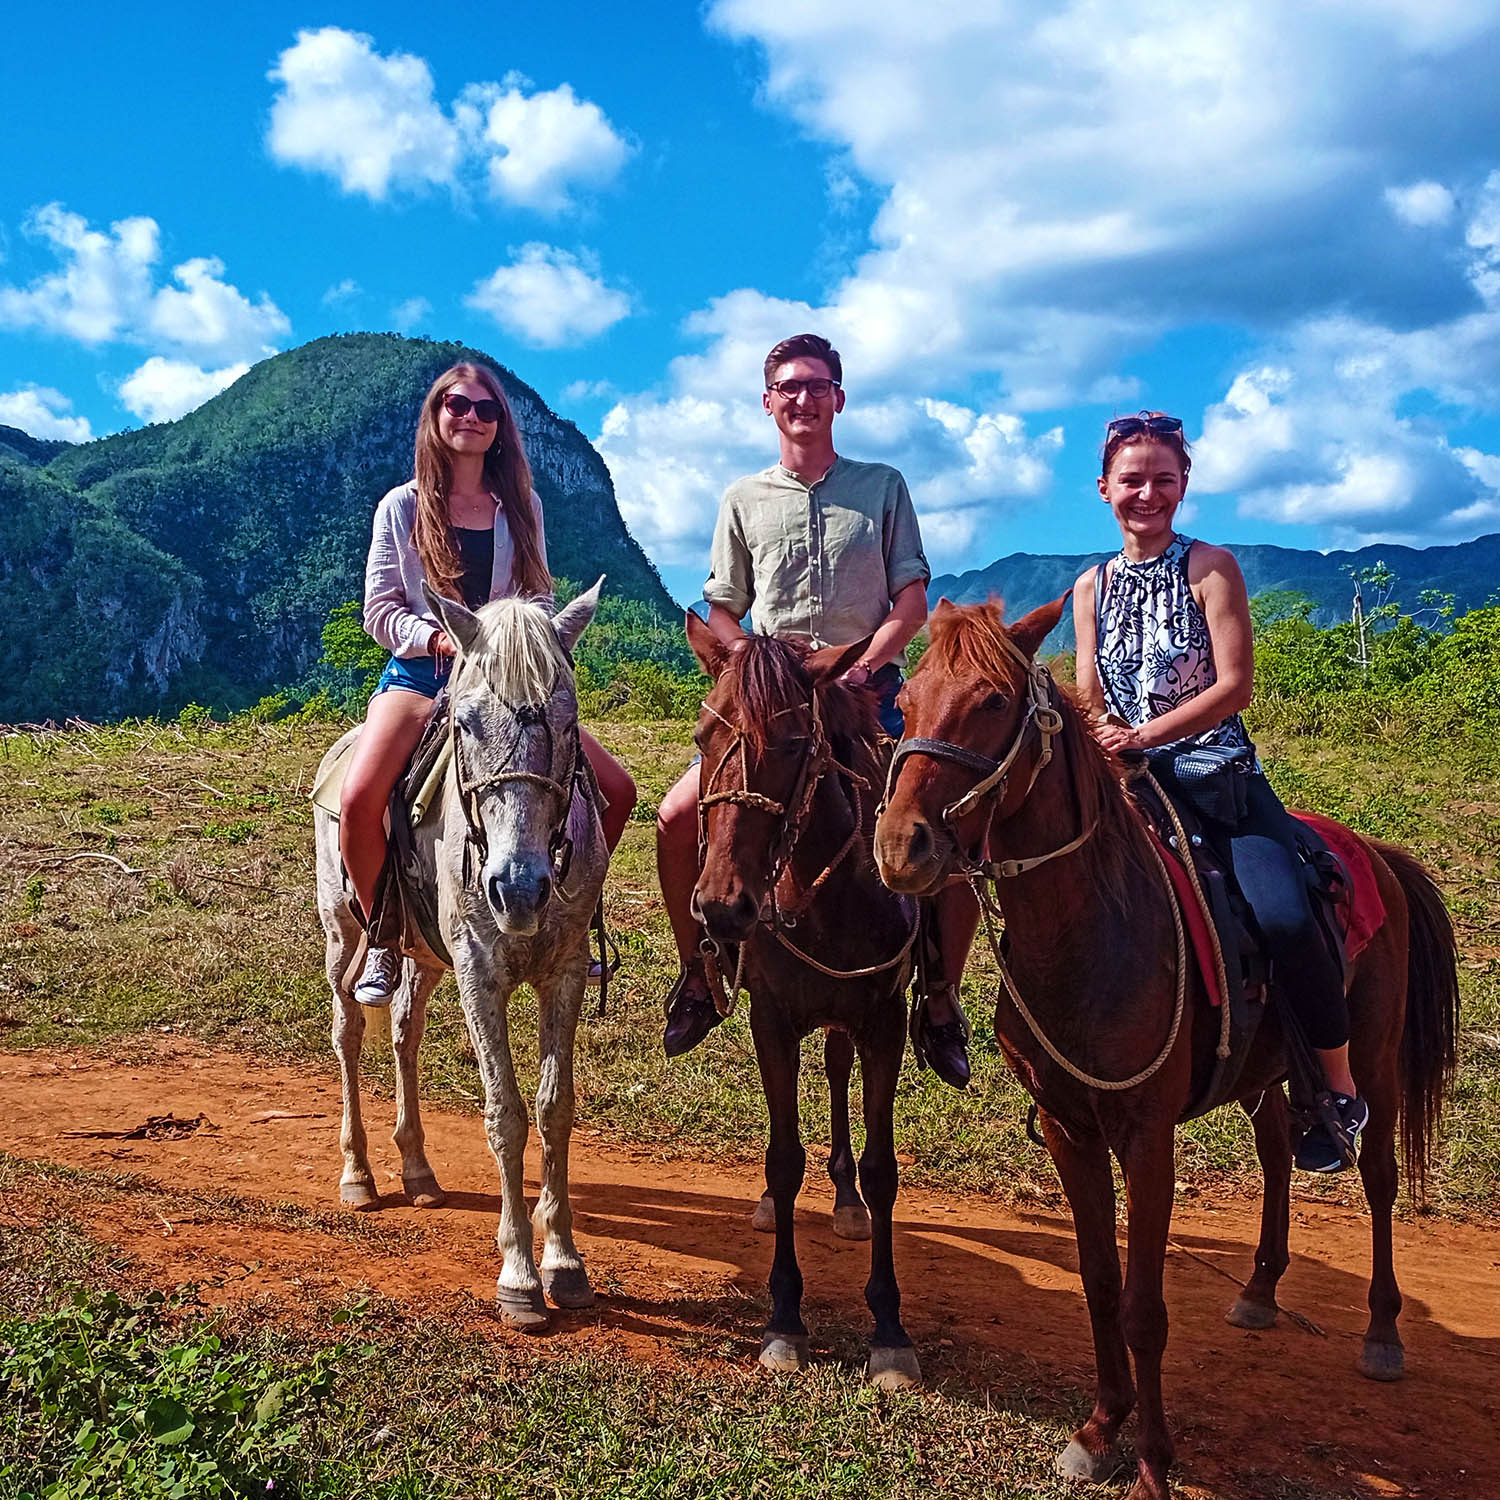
[159, 877]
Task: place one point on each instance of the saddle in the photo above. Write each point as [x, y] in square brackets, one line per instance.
[1197, 848]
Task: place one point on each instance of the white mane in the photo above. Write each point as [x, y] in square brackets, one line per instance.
[517, 653]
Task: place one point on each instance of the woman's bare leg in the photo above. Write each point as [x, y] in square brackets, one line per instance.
[616, 784]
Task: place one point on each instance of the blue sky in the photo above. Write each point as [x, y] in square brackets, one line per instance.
[1280, 220]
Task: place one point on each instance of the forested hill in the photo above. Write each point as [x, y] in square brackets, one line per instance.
[197, 560]
[1469, 571]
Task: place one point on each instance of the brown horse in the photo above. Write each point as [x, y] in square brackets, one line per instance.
[791, 774]
[1090, 941]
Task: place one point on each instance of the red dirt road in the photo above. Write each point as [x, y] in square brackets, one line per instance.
[990, 1295]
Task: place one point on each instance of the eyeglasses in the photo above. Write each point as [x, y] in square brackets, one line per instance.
[460, 406]
[789, 390]
[1131, 426]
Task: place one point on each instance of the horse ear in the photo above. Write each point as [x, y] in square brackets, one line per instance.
[707, 647]
[455, 617]
[570, 621]
[1031, 630]
[834, 661]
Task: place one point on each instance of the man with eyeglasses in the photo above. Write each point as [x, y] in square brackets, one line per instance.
[826, 551]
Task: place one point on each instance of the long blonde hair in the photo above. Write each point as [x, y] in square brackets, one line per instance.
[507, 475]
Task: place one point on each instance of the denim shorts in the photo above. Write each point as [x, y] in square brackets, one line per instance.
[413, 674]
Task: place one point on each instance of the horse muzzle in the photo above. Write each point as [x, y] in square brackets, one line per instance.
[729, 917]
[517, 892]
[912, 857]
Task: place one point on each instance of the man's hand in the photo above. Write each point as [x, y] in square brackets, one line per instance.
[858, 675]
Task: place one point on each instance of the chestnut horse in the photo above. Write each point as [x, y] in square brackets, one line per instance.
[999, 756]
[791, 774]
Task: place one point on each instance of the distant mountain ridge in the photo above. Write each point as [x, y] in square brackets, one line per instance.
[1470, 571]
[197, 560]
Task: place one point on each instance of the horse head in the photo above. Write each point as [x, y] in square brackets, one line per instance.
[513, 717]
[970, 753]
[765, 735]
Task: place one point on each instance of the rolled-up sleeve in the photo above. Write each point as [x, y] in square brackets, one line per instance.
[731, 576]
[387, 615]
[905, 562]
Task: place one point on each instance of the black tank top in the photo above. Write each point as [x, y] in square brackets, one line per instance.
[476, 556]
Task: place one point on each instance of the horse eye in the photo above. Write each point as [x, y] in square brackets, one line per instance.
[997, 701]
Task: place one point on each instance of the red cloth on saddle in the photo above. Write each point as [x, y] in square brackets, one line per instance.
[1366, 911]
[1192, 918]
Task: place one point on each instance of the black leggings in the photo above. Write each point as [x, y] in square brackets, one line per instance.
[1272, 875]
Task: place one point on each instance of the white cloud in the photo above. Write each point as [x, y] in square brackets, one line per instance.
[1421, 204]
[370, 121]
[105, 291]
[162, 390]
[410, 314]
[550, 298]
[589, 390]
[342, 291]
[44, 413]
[373, 123]
[548, 143]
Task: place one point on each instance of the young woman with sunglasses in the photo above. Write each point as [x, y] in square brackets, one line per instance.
[1165, 659]
[470, 525]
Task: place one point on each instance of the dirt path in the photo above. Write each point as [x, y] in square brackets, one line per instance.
[990, 1295]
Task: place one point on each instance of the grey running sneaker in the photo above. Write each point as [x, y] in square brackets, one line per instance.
[382, 974]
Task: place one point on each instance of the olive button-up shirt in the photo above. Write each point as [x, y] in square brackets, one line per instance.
[820, 563]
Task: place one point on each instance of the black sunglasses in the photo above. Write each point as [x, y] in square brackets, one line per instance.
[791, 389]
[485, 409]
[1130, 426]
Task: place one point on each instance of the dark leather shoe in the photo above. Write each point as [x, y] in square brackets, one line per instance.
[947, 1053]
[691, 1015]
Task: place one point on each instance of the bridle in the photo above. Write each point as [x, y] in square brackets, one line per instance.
[476, 844]
[816, 764]
[994, 776]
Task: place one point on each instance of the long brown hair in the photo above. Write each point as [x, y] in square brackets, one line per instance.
[507, 475]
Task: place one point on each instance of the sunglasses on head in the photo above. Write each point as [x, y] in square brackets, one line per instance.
[791, 389]
[1126, 427]
[460, 406]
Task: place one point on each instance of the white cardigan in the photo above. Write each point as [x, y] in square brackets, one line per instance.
[396, 612]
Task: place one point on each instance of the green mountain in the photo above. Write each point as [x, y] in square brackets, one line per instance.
[1469, 571]
[197, 560]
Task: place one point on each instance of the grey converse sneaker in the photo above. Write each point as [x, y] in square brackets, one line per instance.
[382, 974]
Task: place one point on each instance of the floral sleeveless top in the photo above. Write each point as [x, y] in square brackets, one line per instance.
[1153, 650]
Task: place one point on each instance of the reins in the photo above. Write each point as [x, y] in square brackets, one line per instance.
[819, 761]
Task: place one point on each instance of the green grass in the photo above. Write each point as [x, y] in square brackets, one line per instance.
[219, 940]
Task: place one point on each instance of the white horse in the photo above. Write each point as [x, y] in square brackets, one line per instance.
[517, 811]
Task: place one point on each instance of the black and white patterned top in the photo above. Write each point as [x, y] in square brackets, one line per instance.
[1153, 650]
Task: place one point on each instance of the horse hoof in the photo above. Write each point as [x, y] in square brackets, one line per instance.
[1245, 1314]
[523, 1310]
[360, 1196]
[1380, 1361]
[786, 1353]
[851, 1221]
[764, 1217]
[894, 1369]
[1077, 1463]
[567, 1286]
[424, 1192]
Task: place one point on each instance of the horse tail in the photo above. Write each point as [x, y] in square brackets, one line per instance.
[1429, 1038]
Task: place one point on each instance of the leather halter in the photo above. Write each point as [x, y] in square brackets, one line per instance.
[527, 716]
[994, 781]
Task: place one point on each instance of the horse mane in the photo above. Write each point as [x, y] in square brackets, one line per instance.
[768, 677]
[973, 638]
[517, 653]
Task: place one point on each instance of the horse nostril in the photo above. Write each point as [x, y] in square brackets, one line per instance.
[919, 849]
[745, 909]
[497, 893]
[543, 890]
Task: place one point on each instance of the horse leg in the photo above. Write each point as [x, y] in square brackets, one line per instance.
[893, 1361]
[783, 1344]
[357, 1182]
[408, 1022]
[1147, 1163]
[851, 1219]
[1082, 1163]
[1255, 1307]
[559, 1000]
[518, 1288]
[1383, 1356]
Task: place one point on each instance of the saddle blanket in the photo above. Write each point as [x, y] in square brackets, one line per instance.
[328, 788]
[1364, 913]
